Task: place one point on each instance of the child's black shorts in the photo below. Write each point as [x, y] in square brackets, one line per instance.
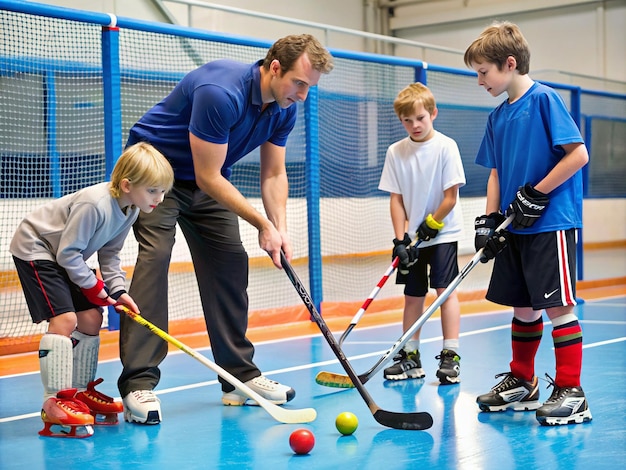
[48, 290]
[444, 267]
[536, 270]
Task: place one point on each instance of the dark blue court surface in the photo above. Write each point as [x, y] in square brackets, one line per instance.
[199, 433]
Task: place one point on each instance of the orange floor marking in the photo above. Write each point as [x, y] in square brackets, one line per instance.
[29, 361]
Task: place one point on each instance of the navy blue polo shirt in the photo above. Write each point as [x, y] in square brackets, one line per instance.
[219, 102]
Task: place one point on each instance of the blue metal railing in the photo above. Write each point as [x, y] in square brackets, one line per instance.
[113, 76]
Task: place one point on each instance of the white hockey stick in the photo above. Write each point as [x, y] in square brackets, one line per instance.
[331, 379]
[283, 415]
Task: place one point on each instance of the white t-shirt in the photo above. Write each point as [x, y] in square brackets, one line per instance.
[421, 172]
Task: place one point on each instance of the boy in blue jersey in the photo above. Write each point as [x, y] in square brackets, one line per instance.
[535, 152]
[215, 116]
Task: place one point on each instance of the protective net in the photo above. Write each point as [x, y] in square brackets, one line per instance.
[52, 142]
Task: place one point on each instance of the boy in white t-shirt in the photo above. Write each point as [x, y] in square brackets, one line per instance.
[423, 173]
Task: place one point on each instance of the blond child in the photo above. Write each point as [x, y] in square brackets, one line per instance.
[50, 248]
[423, 173]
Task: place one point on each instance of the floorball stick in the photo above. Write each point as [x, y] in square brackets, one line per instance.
[331, 379]
[390, 270]
[409, 421]
[283, 415]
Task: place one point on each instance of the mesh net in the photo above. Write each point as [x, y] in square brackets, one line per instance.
[52, 143]
[51, 133]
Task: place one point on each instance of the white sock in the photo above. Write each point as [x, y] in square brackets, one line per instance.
[412, 345]
[86, 349]
[452, 344]
[55, 364]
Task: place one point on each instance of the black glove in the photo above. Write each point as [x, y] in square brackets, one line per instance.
[494, 246]
[485, 226]
[429, 228]
[527, 206]
[407, 255]
[486, 237]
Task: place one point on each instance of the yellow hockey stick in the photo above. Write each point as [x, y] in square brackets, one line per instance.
[283, 415]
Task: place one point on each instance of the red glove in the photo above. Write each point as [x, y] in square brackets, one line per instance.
[92, 294]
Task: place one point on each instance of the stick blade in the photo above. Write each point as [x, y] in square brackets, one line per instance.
[409, 421]
[330, 379]
[292, 416]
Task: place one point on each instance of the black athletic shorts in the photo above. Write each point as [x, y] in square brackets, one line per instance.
[536, 270]
[444, 267]
[48, 290]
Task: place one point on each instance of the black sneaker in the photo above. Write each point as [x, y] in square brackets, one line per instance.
[408, 366]
[511, 392]
[566, 405]
[449, 367]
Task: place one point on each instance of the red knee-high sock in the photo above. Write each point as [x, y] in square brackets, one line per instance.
[525, 339]
[568, 350]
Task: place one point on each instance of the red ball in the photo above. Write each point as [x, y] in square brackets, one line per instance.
[301, 441]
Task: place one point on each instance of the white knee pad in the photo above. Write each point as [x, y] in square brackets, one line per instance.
[55, 363]
[86, 349]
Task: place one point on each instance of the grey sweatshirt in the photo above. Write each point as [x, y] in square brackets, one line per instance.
[69, 230]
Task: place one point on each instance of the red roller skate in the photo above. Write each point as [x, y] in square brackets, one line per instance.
[101, 406]
[63, 416]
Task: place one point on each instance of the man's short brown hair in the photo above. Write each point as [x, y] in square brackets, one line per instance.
[288, 50]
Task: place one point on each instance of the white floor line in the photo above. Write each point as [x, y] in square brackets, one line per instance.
[330, 362]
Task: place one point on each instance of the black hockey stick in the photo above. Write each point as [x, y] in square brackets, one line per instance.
[412, 421]
[331, 379]
[390, 270]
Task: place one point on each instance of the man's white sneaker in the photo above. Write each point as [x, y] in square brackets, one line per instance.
[271, 390]
[143, 407]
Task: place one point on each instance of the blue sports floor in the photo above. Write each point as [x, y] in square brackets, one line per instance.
[199, 433]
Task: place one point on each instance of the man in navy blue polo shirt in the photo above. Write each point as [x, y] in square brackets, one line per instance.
[215, 116]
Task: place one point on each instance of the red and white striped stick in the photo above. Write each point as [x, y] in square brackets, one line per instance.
[390, 270]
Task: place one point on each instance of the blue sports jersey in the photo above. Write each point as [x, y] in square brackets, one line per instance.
[523, 142]
[219, 102]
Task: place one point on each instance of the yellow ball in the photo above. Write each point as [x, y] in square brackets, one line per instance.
[346, 423]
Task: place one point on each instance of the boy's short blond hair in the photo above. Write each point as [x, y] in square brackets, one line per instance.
[412, 96]
[496, 44]
[142, 165]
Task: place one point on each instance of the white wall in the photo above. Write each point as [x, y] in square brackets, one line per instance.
[574, 36]
[140, 9]
[344, 14]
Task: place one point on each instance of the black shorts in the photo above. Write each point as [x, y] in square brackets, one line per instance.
[48, 290]
[536, 270]
[444, 267]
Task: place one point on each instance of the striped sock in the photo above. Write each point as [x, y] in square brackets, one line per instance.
[525, 339]
[568, 350]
